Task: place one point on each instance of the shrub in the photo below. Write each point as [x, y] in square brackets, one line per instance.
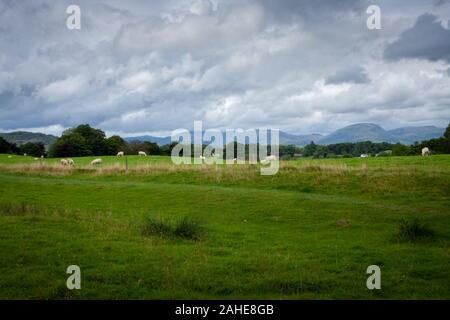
[189, 228]
[185, 228]
[157, 226]
[413, 230]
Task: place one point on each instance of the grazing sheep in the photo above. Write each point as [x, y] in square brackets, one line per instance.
[142, 153]
[64, 162]
[425, 152]
[364, 155]
[24, 154]
[96, 162]
[271, 158]
[120, 154]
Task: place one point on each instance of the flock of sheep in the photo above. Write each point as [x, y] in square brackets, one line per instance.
[95, 162]
[70, 163]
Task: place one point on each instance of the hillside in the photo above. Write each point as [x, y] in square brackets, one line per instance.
[359, 132]
[21, 137]
[409, 135]
[353, 133]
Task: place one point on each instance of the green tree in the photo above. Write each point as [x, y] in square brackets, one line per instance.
[7, 147]
[402, 150]
[70, 144]
[95, 138]
[447, 132]
[151, 148]
[114, 144]
[310, 149]
[35, 149]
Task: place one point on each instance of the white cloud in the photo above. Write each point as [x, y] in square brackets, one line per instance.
[63, 89]
[154, 66]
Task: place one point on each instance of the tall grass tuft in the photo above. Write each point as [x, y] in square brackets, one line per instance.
[21, 208]
[189, 228]
[184, 228]
[157, 226]
[413, 230]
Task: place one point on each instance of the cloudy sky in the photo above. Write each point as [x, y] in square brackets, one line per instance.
[140, 67]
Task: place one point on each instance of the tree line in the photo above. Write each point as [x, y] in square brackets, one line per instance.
[35, 149]
[84, 140]
[437, 145]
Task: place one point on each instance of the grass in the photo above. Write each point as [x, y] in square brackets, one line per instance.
[413, 230]
[308, 232]
[184, 228]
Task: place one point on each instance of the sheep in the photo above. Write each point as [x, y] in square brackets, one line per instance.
[202, 157]
[120, 154]
[271, 158]
[96, 162]
[64, 162]
[364, 155]
[425, 152]
[70, 162]
[142, 153]
[24, 154]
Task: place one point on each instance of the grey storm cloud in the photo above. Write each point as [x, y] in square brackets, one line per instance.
[427, 39]
[355, 74]
[153, 66]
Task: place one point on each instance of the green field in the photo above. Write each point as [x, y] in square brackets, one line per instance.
[308, 232]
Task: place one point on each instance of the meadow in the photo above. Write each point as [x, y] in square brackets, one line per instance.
[308, 232]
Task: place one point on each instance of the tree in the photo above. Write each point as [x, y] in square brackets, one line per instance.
[310, 149]
[70, 145]
[114, 144]
[151, 148]
[95, 138]
[167, 148]
[447, 132]
[35, 149]
[7, 147]
[402, 150]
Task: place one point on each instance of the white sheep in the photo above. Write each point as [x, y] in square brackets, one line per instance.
[202, 157]
[70, 162]
[64, 162]
[271, 158]
[120, 154]
[142, 153]
[96, 162]
[425, 152]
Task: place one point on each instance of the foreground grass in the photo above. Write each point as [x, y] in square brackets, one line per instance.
[308, 232]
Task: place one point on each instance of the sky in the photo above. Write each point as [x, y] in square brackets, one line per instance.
[149, 67]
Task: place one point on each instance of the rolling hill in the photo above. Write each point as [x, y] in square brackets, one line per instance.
[21, 137]
[353, 133]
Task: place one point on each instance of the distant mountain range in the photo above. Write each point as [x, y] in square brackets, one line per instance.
[353, 133]
[21, 137]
